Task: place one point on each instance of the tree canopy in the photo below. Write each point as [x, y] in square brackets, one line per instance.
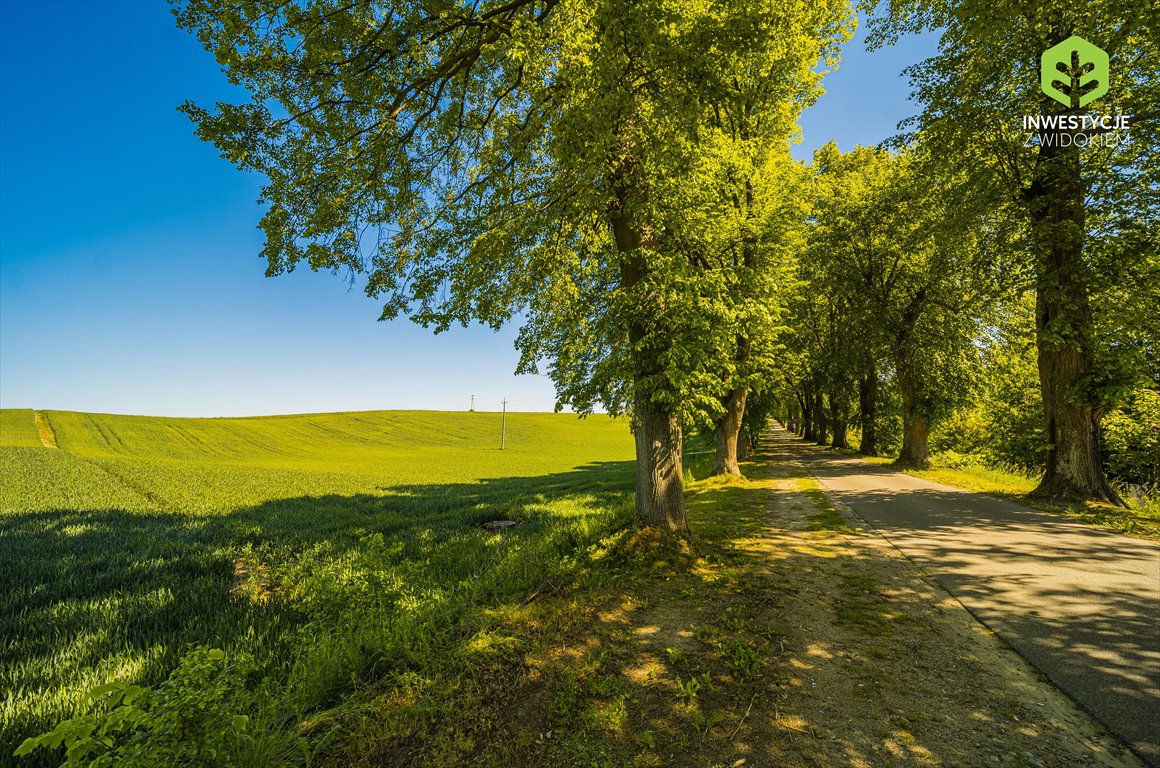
[595, 167]
[616, 176]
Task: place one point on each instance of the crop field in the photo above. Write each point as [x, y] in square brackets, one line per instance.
[317, 546]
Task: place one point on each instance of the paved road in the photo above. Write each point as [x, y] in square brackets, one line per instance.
[1081, 604]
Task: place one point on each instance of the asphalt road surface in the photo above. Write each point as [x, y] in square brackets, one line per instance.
[1080, 603]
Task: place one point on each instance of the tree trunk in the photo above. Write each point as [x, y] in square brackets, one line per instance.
[820, 418]
[726, 433]
[838, 423]
[660, 497]
[660, 494]
[1064, 330]
[914, 452]
[868, 409]
[808, 418]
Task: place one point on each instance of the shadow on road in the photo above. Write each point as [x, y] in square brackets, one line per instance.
[1080, 603]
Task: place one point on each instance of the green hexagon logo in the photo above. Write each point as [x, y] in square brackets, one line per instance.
[1074, 73]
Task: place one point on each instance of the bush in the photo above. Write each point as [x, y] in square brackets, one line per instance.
[956, 460]
[1131, 439]
[965, 430]
[186, 721]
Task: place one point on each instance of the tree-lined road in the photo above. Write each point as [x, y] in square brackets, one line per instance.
[1080, 603]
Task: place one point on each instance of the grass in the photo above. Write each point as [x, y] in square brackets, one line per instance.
[1142, 517]
[765, 639]
[564, 698]
[827, 518]
[971, 477]
[331, 549]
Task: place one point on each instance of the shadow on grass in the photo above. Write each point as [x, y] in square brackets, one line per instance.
[567, 680]
[723, 660]
[88, 596]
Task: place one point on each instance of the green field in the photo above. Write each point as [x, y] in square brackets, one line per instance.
[318, 546]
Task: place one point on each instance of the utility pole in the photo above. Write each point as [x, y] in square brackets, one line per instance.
[503, 426]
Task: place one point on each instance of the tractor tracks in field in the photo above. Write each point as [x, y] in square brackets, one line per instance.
[48, 440]
[44, 429]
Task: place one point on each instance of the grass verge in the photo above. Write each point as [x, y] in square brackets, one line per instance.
[779, 634]
[1140, 518]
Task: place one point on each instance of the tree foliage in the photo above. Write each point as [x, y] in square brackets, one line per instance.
[897, 281]
[588, 166]
[1088, 202]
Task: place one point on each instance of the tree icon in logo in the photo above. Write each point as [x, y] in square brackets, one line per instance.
[1074, 72]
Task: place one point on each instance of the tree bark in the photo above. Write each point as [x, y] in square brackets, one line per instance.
[660, 493]
[868, 409]
[808, 432]
[1064, 330]
[660, 497]
[914, 451]
[838, 423]
[820, 418]
[727, 431]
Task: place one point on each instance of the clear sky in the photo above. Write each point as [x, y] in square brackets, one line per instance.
[130, 280]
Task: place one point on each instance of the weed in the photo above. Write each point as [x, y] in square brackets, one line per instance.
[687, 690]
[736, 619]
[743, 659]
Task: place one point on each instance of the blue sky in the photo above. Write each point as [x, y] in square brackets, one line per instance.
[130, 280]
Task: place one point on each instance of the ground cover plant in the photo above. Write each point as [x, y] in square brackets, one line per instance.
[316, 551]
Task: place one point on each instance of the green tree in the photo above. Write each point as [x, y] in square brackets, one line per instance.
[1009, 398]
[888, 244]
[1132, 439]
[822, 337]
[540, 157]
[756, 276]
[1089, 203]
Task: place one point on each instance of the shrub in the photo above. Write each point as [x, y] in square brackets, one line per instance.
[1131, 439]
[186, 721]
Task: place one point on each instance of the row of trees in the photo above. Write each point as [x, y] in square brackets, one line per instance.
[927, 253]
[896, 275]
[617, 174]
